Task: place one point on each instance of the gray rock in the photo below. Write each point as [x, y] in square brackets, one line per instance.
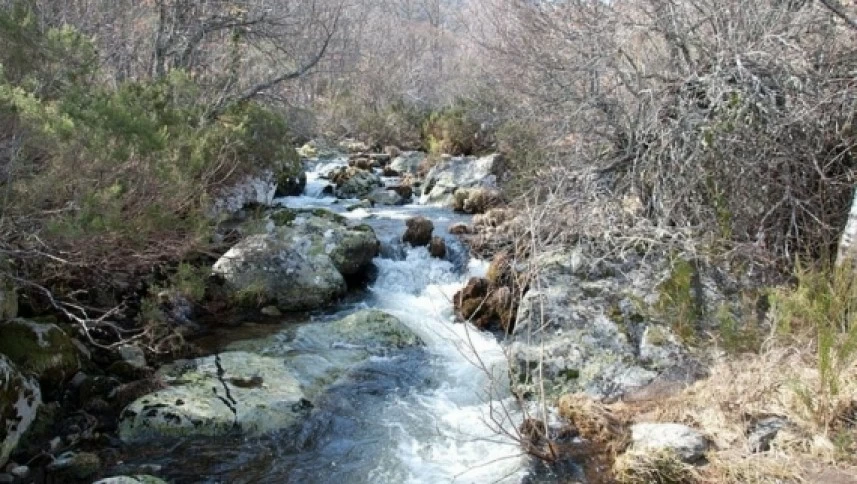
[763, 432]
[578, 329]
[445, 178]
[687, 444]
[141, 479]
[257, 189]
[20, 472]
[383, 196]
[408, 162]
[133, 355]
[353, 182]
[255, 395]
[418, 232]
[299, 265]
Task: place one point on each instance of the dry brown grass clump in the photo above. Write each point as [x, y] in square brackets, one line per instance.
[605, 429]
[653, 468]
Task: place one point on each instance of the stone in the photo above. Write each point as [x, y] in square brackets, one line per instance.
[6, 478]
[687, 444]
[259, 189]
[299, 266]
[763, 432]
[659, 347]
[76, 465]
[418, 232]
[139, 479]
[390, 173]
[291, 185]
[476, 200]
[20, 399]
[20, 472]
[215, 395]
[437, 247]
[383, 196]
[460, 229]
[133, 355]
[450, 175]
[354, 182]
[405, 191]
[271, 311]
[43, 349]
[407, 162]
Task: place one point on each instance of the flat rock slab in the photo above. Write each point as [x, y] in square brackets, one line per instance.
[233, 392]
[687, 444]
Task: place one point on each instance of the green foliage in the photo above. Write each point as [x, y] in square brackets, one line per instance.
[737, 335]
[822, 307]
[677, 303]
[450, 131]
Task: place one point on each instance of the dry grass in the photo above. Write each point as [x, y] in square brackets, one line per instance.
[749, 387]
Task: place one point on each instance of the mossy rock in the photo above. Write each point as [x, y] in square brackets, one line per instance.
[20, 399]
[42, 349]
[283, 217]
[372, 328]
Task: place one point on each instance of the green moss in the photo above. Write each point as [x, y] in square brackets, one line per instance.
[570, 374]
[678, 304]
[327, 214]
[283, 217]
[42, 349]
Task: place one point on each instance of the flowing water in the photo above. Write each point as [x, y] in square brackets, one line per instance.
[433, 414]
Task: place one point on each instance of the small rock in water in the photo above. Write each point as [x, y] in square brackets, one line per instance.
[271, 311]
[460, 229]
[687, 444]
[437, 247]
[418, 232]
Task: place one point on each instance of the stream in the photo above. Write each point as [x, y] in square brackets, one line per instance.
[431, 414]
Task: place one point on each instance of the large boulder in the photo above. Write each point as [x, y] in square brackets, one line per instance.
[384, 196]
[584, 327]
[408, 162]
[211, 396]
[20, 399]
[450, 175]
[41, 349]
[418, 232]
[318, 353]
[299, 264]
[353, 182]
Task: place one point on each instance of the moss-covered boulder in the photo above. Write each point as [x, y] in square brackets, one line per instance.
[20, 399]
[418, 231]
[211, 396]
[300, 263]
[371, 329]
[354, 182]
[42, 349]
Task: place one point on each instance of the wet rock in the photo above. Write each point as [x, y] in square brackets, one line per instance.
[687, 444]
[408, 162]
[460, 229]
[43, 349]
[81, 465]
[364, 204]
[230, 392]
[419, 230]
[383, 196]
[483, 305]
[290, 185]
[450, 175]
[437, 247]
[353, 182]
[389, 172]
[763, 432]
[299, 266]
[20, 399]
[139, 479]
[404, 191]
